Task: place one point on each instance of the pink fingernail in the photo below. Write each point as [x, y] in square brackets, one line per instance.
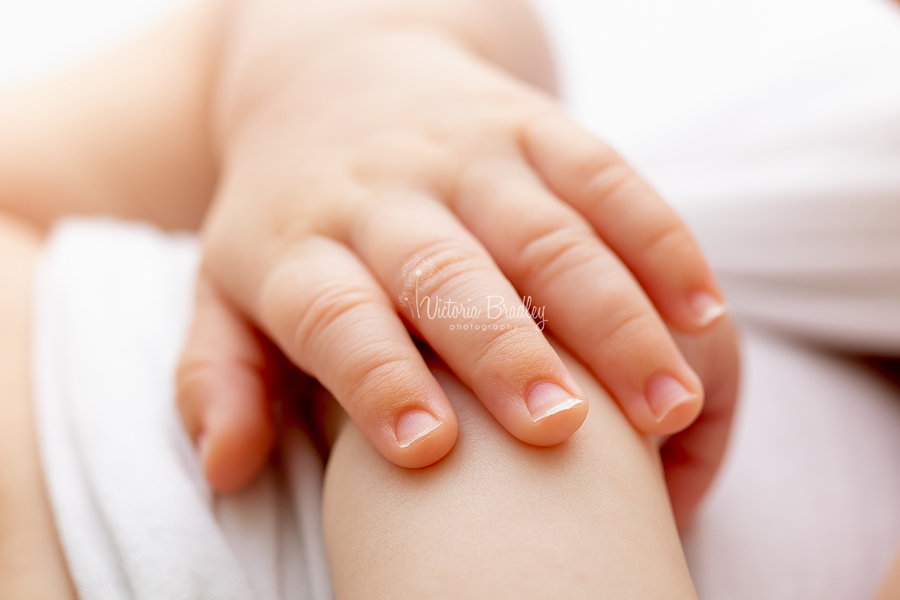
[706, 308]
[546, 399]
[414, 425]
[665, 394]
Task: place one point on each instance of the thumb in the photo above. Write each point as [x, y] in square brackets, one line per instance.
[223, 393]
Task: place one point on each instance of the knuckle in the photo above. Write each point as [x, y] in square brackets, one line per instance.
[671, 237]
[192, 383]
[382, 157]
[326, 315]
[379, 383]
[549, 252]
[488, 177]
[611, 181]
[193, 371]
[627, 329]
[439, 269]
[305, 319]
[509, 349]
[595, 160]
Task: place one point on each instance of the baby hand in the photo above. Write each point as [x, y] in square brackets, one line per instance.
[396, 181]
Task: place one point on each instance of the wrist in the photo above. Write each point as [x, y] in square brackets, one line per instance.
[268, 41]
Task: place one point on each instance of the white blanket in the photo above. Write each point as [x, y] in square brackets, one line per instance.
[135, 517]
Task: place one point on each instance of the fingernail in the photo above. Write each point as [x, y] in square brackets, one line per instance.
[706, 308]
[546, 399]
[664, 394]
[413, 425]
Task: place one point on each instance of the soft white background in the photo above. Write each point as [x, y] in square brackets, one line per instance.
[636, 69]
[633, 68]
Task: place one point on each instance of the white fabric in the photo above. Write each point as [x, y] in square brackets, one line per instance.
[135, 517]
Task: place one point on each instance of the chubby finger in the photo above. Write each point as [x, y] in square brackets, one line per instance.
[331, 318]
[452, 292]
[222, 392]
[593, 303]
[631, 218]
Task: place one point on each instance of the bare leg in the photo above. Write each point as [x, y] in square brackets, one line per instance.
[498, 519]
[890, 587]
[31, 560]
